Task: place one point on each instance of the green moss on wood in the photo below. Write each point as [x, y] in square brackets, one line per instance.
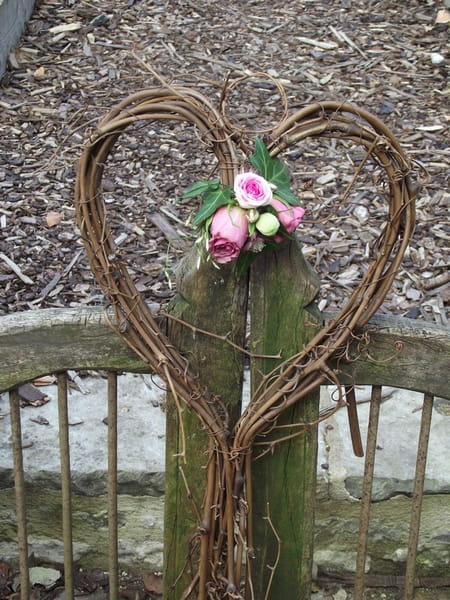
[212, 300]
[281, 287]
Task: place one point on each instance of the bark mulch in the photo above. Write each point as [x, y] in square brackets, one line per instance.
[77, 59]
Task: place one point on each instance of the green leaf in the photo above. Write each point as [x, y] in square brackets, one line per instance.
[286, 195]
[243, 262]
[272, 169]
[272, 245]
[212, 201]
[261, 158]
[201, 187]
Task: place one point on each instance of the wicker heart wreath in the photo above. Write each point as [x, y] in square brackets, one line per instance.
[220, 573]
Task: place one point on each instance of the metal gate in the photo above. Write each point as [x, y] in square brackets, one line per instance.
[437, 351]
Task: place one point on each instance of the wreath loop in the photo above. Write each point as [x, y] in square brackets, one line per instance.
[229, 87]
[296, 376]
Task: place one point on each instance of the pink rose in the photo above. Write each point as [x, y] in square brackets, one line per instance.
[252, 190]
[229, 232]
[289, 216]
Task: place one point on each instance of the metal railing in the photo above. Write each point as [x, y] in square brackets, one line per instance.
[366, 498]
[409, 581]
[66, 488]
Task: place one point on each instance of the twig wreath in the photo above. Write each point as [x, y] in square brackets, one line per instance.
[225, 555]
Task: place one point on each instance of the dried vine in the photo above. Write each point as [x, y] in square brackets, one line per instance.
[225, 532]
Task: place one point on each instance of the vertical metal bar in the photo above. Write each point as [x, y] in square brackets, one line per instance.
[352, 412]
[19, 488]
[371, 445]
[416, 509]
[66, 493]
[112, 487]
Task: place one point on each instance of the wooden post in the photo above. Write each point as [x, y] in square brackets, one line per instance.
[213, 300]
[282, 287]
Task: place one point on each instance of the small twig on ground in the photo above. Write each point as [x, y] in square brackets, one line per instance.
[72, 263]
[435, 282]
[77, 381]
[14, 267]
[170, 233]
[343, 37]
[57, 278]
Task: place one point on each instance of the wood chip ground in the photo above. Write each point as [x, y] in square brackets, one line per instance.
[77, 59]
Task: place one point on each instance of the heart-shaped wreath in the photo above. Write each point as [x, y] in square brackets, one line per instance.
[219, 573]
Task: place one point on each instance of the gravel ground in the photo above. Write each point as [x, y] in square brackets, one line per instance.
[77, 59]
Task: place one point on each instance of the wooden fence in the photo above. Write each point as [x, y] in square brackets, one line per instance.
[55, 340]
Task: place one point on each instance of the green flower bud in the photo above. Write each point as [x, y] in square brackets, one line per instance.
[267, 224]
[252, 215]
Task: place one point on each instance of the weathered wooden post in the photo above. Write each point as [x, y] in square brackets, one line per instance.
[213, 300]
[283, 318]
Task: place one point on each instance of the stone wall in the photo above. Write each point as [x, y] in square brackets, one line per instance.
[340, 475]
[141, 444]
[13, 16]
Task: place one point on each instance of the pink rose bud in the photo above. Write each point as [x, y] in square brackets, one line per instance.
[289, 216]
[229, 232]
[252, 190]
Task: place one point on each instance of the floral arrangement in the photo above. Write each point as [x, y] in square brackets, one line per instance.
[259, 211]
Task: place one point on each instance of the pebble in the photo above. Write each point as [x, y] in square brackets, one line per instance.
[361, 213]
[386, 108]
[413, 294]
[437, 58]
[108, 185]
[326, 178]
[100, 20]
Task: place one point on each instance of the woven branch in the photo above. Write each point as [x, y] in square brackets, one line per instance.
[224, 536]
